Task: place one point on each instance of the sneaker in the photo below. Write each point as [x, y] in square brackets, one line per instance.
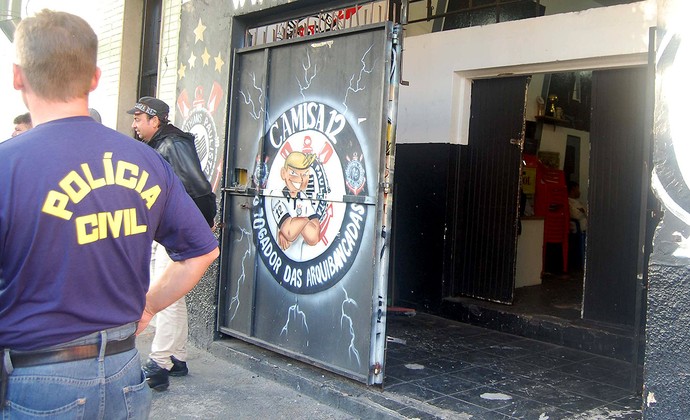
[156, 376]
[179, 367]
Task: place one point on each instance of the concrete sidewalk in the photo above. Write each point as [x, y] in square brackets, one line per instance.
[218, 389]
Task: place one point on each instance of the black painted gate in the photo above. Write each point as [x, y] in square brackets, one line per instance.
[487, 191]
[617, 169]
[306, 198]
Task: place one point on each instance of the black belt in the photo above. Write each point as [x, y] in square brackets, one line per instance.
[69, 354]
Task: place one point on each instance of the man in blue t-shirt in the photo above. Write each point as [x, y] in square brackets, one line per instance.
[80, 205]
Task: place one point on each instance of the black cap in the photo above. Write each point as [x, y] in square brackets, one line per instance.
[151, 106]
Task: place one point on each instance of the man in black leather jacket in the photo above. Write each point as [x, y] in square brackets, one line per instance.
[151, 125]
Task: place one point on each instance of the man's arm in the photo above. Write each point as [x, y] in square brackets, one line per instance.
[177, 279]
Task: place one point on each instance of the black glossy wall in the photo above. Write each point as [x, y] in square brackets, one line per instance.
[419, 220]
[616, 172]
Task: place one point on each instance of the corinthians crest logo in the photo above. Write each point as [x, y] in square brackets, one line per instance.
[199, 121]
[307, 227]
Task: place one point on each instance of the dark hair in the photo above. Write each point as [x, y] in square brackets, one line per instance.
[572, 185]
[23, 119]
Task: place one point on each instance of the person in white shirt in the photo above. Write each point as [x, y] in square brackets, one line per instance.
[578, 212]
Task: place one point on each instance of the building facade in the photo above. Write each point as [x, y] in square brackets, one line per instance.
[636, 275]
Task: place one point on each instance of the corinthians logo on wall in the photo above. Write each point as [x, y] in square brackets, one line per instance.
[199, 121]
[306, 229]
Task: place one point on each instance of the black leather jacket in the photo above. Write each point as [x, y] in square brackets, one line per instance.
[177, 147]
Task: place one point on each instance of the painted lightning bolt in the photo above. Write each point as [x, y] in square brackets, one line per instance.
[248, 100]
[357, 85]
[235, 301]
[343, 316]
[293, 313]
[307, 76]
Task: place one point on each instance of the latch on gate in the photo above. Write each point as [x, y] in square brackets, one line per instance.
[517, 142]
[376, 368]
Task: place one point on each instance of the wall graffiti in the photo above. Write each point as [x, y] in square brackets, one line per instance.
[235, 301]
[305, 234]
[671, 175]
[345, 318]
[201, 70]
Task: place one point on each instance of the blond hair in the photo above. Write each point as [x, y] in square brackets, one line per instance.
[57, 52]
[299, 160]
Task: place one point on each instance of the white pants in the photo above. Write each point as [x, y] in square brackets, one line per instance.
[170, 338]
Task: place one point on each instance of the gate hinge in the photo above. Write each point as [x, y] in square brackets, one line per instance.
[395, 38]
[386, 187]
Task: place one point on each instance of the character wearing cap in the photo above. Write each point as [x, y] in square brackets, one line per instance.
[296, 214]
[151, 125]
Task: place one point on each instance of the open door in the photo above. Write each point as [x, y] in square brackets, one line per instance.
[304, 255]
[618, 185]
[487, 191]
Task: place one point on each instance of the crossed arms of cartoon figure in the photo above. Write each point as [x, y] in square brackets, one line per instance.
[295, 214]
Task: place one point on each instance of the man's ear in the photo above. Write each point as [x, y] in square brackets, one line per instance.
[94, 80]
[17, 77]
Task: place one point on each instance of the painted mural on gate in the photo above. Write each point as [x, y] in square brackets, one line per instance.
[306, 235]
[310, 121]
[202, 69]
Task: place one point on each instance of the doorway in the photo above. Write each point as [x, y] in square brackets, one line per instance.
[551, 250]
[434, 208]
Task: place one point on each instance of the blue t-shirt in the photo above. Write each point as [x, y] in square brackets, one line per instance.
[80, 205]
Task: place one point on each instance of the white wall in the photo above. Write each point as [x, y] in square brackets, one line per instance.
[104, 98]
[554, 139]
[533, 92]
[440, 66]
[12, 104]
[167, 62]
[118, 26]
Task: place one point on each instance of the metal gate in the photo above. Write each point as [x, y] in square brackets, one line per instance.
[306, 198]
[488, 190]
[617, 172]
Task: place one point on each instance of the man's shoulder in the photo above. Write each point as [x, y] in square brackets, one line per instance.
[171, 133]
[173, 138]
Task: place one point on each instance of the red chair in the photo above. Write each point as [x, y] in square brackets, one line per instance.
[551, 202]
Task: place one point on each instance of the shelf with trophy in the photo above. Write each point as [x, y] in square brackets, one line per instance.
[551, 113]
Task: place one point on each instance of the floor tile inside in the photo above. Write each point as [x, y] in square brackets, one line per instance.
[471, 371]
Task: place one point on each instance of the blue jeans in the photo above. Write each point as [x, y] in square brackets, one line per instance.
[106, 387]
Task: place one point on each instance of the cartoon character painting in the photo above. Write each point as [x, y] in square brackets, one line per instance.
[295, 213]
